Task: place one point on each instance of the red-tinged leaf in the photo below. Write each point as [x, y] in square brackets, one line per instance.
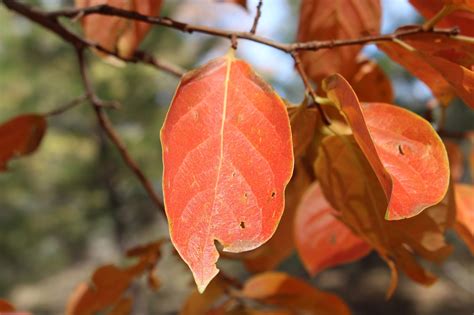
[456, 159]
[463, 19]
[108, 285]
[438, 61]
[329, 20]
[321, 239]
[123, 307]
[414, 62]
[118, 34]
[5, 306]
[460, 78]
[351, 187]
[371, 84]
[227, 156]
[282, 290]
[20, 136]
[465, 213]
[405, 152]
[281, 245]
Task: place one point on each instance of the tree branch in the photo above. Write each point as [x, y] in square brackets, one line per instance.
[109, 130]
[288, 48]
[257, 17]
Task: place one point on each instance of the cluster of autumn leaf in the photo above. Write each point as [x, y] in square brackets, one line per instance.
[263, 177]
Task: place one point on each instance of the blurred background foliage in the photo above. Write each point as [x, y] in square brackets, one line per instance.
[74, 205]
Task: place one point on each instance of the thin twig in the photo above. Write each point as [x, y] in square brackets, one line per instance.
[69, 105]
[309, 87]
[257, 17]
[107, 126]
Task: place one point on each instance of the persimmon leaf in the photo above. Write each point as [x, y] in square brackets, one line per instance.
[20, 136]
[405, 152]
[227, 155]
[371, 83]
[417, 66]
[329, 20]
[282, 290]
[465, 213]
[109, 283]
[114, 33]
[321, 239]
[460, 18]
[445, 64]
[351, 187]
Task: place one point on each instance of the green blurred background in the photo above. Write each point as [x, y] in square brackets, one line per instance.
[73, 205]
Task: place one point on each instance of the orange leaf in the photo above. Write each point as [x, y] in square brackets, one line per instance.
[118, 34]
[429, 8]
[108, 285]
[465, 213]
[351, 187]
[6, 306]
[321, 239]
[280, 289]
[417, 66]
[20, 136]
[227, 156]
[329, 20]
[445, 64]
[371, 84]
[405, 152]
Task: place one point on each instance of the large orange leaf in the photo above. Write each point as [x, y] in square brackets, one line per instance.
[405, 152]
[20, 136]
[463, 19]
[351, 187]
[328, 20]
[227, 155]
[465, 213]
[321, 239]
[114, 33]
[280, 289]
